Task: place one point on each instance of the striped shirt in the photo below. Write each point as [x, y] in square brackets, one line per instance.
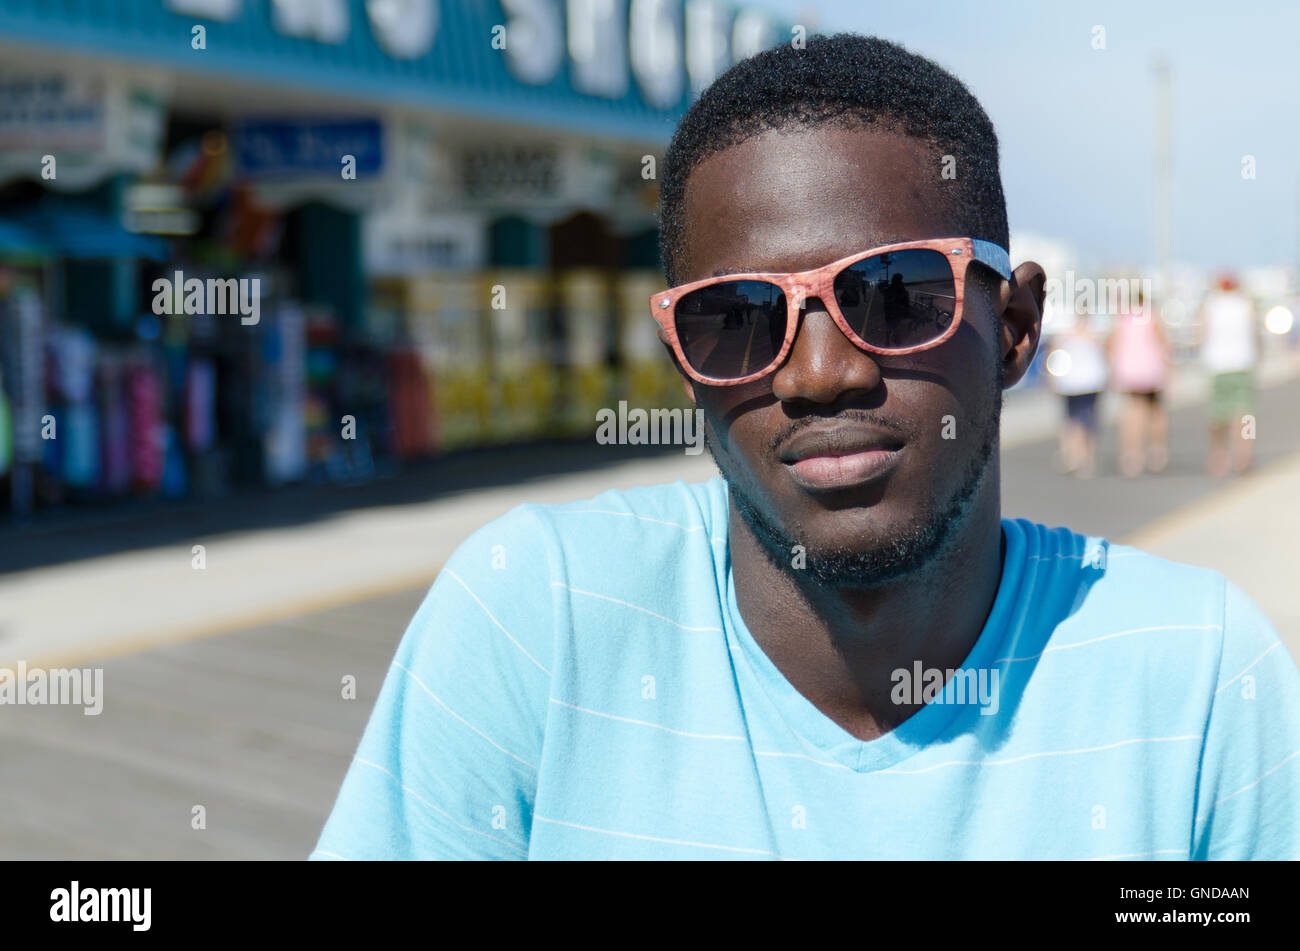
[579, 684]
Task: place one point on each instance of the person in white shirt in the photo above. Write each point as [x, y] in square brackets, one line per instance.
[1229, 340]
[1076, 367]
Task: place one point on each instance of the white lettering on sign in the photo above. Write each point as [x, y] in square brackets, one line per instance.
[752, 33]
[534, 40]
[51, 112]
[404, 28]
[707, 50]
[609, 42]
[654, 41]
[209, 9]
[596, 48]
[323, 20]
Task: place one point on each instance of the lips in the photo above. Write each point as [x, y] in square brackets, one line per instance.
[839, 457]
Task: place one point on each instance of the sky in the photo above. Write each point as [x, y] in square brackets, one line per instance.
[1075, 123]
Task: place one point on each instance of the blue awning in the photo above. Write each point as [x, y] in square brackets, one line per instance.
[427, 55]
[18, 240]
[73, 232]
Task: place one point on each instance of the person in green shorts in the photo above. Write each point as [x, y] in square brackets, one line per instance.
[1232, 396]
[1229, 351]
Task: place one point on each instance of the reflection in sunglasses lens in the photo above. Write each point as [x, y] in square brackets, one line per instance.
[732, 329]
[898, 299]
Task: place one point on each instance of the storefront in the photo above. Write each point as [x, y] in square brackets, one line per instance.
[447, 209]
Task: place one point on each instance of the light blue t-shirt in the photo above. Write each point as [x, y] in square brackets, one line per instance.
[579, 684]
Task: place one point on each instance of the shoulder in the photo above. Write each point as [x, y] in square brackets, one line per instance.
[621, 523]
[625, 539]
[544, 577]
[1156, 641]
[1122, 566]
[1179, 591]
[1155, 609]
[1135, 603]
[614, 513]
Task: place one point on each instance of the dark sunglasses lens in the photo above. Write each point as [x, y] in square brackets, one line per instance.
[898, 299]
[732, 329]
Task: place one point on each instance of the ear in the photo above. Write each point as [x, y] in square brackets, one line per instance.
[1020, 318]
[688, 385]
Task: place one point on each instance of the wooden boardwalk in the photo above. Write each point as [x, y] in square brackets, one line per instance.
[252, 726]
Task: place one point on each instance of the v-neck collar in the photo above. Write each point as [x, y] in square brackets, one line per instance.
[915, 733]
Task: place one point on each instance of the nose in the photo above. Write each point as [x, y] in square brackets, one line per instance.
[823, 365]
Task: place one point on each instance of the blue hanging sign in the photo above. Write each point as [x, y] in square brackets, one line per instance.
[290, 148]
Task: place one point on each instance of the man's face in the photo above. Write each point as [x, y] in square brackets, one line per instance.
[797, 199]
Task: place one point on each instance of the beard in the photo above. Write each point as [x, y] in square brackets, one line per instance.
[896, 557]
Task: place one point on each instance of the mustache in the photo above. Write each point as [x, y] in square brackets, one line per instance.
[849, 415]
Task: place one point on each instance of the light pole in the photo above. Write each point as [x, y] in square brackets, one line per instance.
[1162, 193]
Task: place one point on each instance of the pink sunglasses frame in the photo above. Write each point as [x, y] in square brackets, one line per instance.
[819, 283]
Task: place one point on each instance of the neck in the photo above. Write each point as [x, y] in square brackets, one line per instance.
[839, 646]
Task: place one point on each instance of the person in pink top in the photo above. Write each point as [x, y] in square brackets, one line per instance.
[1138, 352]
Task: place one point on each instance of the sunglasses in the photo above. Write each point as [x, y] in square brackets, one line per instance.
[898, 299]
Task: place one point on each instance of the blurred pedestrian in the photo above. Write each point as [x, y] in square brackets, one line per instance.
[1076, 367]
[1229, 350]
[1138, 354]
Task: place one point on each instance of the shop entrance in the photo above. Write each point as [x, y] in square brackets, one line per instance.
[585, 255]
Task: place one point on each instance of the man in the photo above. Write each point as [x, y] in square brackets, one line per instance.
[1229, 339]
[751, 667]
